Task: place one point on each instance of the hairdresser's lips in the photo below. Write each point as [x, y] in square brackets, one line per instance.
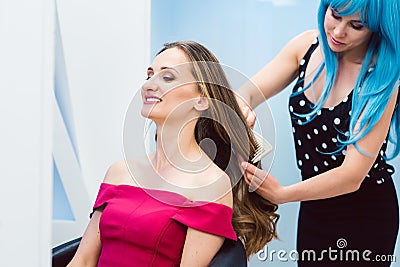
[335, 42]
[151, 99]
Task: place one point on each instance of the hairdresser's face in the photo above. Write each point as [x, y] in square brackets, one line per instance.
[170, 90]
[346, 33]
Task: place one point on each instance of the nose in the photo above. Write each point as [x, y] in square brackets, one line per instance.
[340, 30]
[150, 84]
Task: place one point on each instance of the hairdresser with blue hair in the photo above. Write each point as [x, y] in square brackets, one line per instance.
[344, 111]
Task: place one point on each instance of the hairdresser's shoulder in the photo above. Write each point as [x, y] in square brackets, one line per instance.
[305, 38]
[302, 42]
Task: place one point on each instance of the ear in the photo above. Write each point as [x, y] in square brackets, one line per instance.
[200, 103]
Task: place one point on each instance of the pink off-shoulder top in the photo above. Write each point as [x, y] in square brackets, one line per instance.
[147, 227]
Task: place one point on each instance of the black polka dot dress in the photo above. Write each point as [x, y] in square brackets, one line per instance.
[367, 219]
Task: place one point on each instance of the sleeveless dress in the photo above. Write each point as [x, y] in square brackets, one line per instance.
[338, 230]
[147, 227]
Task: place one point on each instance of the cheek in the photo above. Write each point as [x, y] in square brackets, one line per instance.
[181, 93]
[328, 24]
[326, 21]
[361, 38]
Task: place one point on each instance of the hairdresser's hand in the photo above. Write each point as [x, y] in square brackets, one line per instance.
[263, 183]
[249, 115]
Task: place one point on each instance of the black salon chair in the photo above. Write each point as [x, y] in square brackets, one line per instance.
[231, 254]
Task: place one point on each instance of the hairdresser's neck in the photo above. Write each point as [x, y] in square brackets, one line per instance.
[354, 56]
[176, 145]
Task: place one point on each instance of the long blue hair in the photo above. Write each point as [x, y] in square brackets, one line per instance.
[380, 70]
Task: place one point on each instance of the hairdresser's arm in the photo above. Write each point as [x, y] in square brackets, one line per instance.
[278, 73]
[89, 248]
[344, 179]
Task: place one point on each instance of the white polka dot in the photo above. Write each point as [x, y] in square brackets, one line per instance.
[333, 157]
[336, 121]
[299, 142]
[293, 130]
[347, 133]
[291, 108]
[350, 113]
[315, 41]
[326, 163]
[324, 128]
[302, 103]
[306, 156]
[376, 165]
[307, 118]
[380, 181]
[334, 140]
[299, 89]
[300, 163]
[302, 74]
[315, 168]
[324, 145]
[299, 122]
[315, 131]
[346, 98]
[308, 137]
[389, 170]
[302, 62]
[319, 112]
[331, 108]
[382, 153]
[384, 142]
[344, 152]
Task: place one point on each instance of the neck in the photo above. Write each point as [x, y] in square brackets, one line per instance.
[177, 148]
[354, 56]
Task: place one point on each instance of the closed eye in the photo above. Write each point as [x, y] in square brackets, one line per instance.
[168, 78]
[357, 25]
[335, 15]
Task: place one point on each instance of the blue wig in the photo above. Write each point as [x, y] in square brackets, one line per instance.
[380, 70]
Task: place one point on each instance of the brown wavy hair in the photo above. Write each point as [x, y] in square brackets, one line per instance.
[254, 218]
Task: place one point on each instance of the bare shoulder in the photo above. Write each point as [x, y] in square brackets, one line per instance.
[224, 187]
[302, 42]
[118, 173]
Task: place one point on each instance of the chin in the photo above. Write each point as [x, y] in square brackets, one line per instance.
[146, 113]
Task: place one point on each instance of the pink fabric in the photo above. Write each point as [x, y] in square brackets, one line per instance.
[147, 227]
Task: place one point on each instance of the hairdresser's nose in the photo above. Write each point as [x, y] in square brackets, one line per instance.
[340, 30]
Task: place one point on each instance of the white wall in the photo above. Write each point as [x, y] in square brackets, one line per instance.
[106, 51]
[26, 93]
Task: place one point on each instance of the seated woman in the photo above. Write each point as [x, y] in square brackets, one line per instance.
[176, 206]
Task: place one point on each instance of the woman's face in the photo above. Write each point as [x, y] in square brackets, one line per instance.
[170, 89]
[346, 33]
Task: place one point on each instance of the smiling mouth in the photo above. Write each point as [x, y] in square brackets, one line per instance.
[152, 100]
[335, 42]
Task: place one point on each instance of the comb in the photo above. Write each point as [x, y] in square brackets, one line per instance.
[263, 147]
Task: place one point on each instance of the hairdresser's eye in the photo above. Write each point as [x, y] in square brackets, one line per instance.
[335, 15]
[357, 26]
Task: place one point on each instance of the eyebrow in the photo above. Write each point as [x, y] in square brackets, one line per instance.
[163, 68]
